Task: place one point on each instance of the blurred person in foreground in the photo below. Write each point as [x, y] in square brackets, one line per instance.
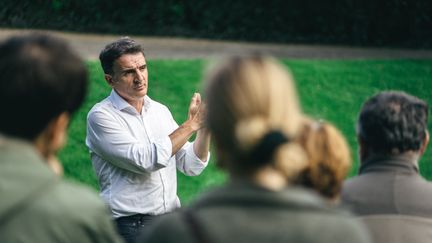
[42, 84]
[255, 119]
[135, 144]
[392, 135]
[328, 156]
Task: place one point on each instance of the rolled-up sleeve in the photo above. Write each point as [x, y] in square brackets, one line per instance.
[187, 161]
[111, 140]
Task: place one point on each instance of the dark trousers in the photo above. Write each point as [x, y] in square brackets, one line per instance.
[130, 227]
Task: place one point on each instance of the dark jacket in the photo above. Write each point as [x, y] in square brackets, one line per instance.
[247, 213]
[389, 185]
[36, 206]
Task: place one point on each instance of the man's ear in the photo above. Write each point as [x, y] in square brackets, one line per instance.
[109, 79]
[362, 150]
[425, 143]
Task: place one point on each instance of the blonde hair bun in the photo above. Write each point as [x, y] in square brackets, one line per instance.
[249, 131]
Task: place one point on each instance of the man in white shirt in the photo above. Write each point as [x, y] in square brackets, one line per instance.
[136, 145]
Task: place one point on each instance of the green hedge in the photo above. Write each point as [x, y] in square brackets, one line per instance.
[400, 23]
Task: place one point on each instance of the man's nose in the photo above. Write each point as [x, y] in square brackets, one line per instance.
[137, 80]
[139, 77]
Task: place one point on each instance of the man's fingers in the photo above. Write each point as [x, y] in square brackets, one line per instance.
[195, 102]
[196, 99]
[203, 108]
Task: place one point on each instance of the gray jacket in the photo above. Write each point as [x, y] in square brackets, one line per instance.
[247, 213]
[399, 228]
[388, 185]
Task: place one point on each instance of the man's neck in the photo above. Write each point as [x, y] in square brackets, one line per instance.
[270, 178]
[137, 104]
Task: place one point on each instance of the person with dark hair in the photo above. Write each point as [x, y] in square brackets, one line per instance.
[255, 118]
[43, 83]
[136, 145]
[392, 134]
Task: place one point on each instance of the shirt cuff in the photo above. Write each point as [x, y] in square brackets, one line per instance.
[163, 151]
[191, 153]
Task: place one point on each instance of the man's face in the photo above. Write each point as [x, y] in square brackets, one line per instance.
[130, 77]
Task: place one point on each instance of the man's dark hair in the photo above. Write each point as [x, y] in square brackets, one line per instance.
[41, 77]
[115, 50]
[393, 122]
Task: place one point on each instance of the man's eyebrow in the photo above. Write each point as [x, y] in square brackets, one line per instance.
[127, 70]
[131, 69]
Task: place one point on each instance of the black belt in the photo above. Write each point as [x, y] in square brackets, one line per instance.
[136, 217]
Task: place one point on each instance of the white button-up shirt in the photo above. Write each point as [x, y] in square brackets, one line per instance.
[131, 155]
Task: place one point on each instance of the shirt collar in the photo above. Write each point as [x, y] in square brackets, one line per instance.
[400, 163]
[121, 104]
[147, 103]
[245, 192]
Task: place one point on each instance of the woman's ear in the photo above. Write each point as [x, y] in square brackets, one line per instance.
[52, 139]
[58, 129]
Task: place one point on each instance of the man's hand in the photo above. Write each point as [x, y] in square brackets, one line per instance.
[195, 122]
[194, 105]
[197, 112]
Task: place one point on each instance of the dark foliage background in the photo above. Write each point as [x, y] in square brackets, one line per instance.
[401, 23]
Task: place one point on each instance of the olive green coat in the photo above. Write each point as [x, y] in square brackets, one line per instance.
[36, 206]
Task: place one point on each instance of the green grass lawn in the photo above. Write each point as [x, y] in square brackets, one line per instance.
[330, 90]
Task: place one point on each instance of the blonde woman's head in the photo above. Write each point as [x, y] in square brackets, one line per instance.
[249, 99]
